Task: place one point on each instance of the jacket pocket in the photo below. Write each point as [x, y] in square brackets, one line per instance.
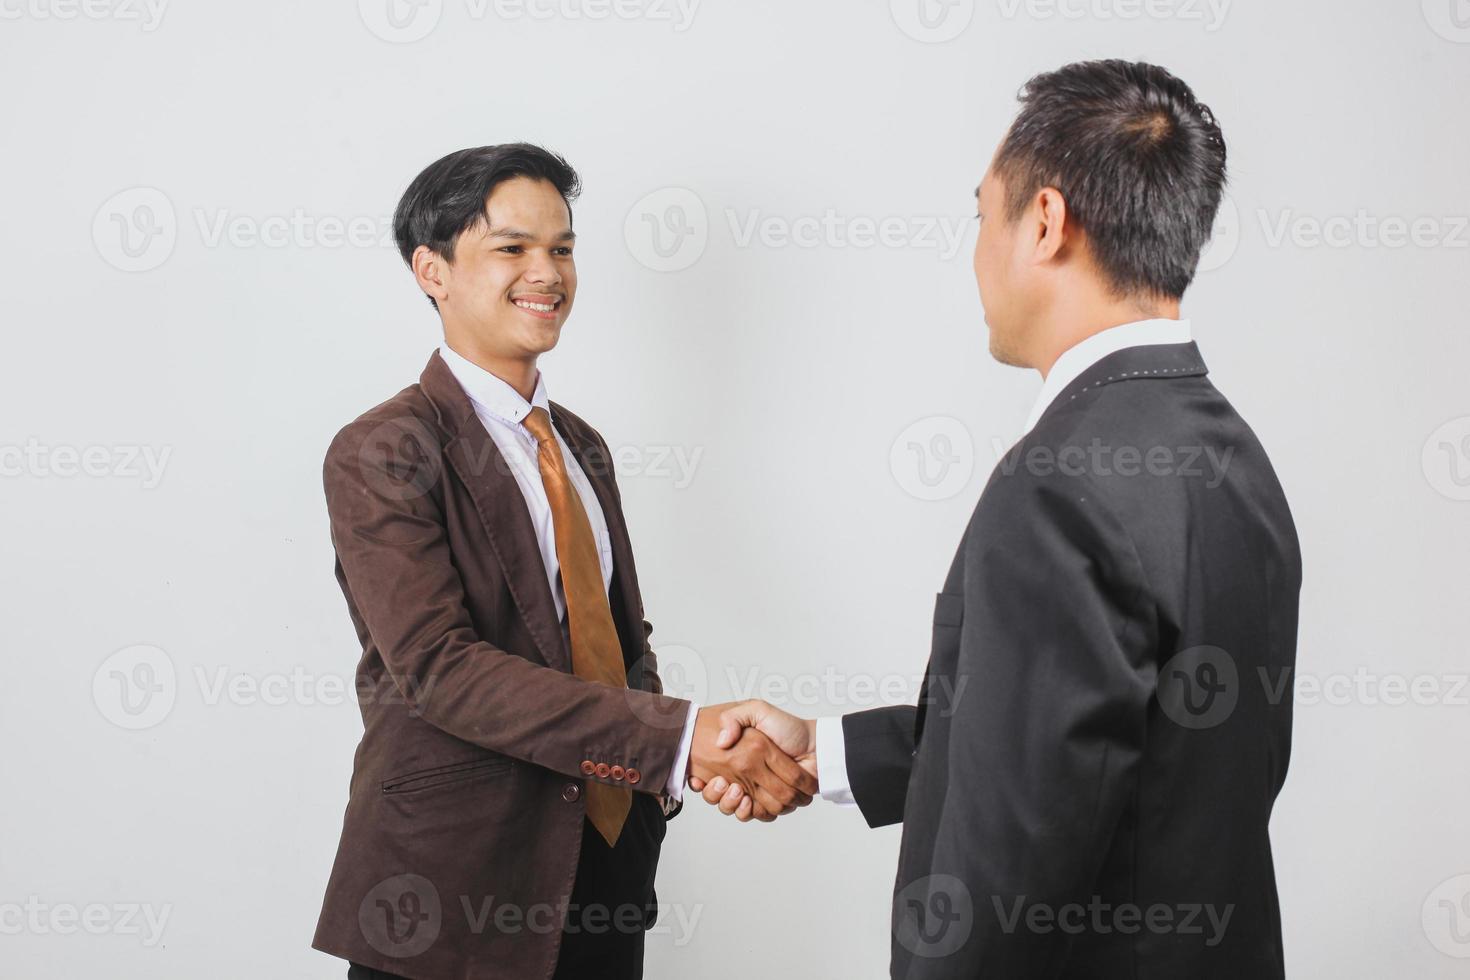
[949, 609]
[459, 772]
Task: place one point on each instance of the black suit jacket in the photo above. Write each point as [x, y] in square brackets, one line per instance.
[1105, 722]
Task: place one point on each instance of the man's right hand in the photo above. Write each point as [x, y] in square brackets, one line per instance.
[796, 737]
[770, 781]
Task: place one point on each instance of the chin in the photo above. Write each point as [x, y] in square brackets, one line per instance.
[536, 346]
[1003, 353]
[544, 339]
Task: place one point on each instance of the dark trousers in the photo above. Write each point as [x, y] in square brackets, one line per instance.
[612, 902]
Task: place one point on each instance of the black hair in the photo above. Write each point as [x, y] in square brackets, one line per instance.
[1138, 159]
[448, 197]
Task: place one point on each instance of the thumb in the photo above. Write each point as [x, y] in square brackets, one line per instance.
[735, 720]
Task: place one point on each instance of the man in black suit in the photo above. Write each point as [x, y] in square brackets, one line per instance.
[1086, 782]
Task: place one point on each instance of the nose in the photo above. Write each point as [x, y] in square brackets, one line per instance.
[542, 270]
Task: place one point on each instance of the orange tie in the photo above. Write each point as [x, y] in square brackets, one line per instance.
[596, 653]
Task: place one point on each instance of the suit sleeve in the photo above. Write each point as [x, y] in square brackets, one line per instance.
[396, 564]
[1024, 795]
[878, 746]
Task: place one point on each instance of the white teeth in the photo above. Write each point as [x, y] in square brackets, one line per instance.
[538, 307]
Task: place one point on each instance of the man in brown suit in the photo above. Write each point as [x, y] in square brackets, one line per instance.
[519, 759]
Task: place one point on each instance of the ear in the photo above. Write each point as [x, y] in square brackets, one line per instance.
[1050, 211]
[432, 272]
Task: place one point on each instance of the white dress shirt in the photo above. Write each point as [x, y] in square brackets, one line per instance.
[831, 748]
[502, 411]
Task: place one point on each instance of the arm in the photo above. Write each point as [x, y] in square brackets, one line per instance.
[388, 530]
[389, 534]
[878, 749]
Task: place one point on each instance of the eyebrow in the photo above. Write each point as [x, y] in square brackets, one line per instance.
[525, 236]
[977, 192]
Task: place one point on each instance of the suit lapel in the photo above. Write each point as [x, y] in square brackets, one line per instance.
[476, 460]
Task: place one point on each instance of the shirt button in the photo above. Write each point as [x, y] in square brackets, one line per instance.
[570, 792]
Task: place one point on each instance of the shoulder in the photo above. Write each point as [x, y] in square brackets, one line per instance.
[393, 452]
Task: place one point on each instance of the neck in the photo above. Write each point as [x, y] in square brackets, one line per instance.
[1068, 325]
[518, 372]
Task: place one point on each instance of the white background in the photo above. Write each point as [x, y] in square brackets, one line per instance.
[802, 549]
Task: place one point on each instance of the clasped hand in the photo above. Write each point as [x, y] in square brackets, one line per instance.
[753, 760]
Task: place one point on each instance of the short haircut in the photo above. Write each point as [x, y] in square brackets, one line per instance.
[1138, 159]
[448, 197]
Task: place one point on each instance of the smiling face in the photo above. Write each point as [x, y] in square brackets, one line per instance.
[512, 282]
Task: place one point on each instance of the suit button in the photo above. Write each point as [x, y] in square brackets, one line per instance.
[588, 768]
[634, 775]
[618, 772]
[570, 792]
[603, 770]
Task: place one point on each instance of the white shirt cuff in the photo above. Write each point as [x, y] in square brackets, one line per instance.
[674, 790]
[832, 762]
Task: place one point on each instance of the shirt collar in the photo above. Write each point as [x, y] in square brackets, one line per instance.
[1083, 355]
[491, 394]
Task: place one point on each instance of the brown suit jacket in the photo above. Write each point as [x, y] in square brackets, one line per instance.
[464, 820]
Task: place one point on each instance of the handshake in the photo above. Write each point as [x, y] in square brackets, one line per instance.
[753, 760]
